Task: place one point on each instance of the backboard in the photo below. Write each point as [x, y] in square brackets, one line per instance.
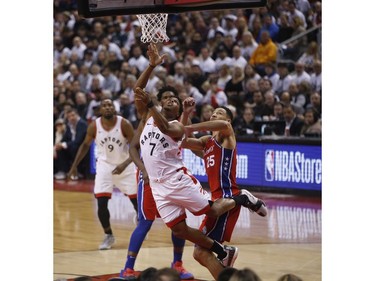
[97, 8]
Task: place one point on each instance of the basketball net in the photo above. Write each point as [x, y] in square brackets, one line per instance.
[154, 27]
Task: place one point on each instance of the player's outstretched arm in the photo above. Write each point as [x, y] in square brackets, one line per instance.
[82, 150]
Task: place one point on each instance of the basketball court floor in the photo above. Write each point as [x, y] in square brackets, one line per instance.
[288, 240]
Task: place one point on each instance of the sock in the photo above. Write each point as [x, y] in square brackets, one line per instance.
[136, 240]
[219, 250]
[130, 261]
[178, 246]
[240, 199]
[108, 231]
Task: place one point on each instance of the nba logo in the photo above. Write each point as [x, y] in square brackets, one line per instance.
[269, 165]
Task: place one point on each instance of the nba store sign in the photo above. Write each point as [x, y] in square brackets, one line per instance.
[270, 165]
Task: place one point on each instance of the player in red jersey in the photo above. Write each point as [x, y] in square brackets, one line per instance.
[220, 157]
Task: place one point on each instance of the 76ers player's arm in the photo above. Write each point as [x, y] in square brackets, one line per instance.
[134, 149]
[219, 127]
[128, 132]
[82, 150]
[188, 108]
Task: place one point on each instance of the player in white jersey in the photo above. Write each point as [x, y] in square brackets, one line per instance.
[114, 166]
[174, 188]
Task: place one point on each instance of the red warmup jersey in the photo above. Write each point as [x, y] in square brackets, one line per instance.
[221, 164]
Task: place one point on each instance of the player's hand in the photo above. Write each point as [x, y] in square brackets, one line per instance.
[119, 169]
[141, 96]
[188, 105]
[145, 177]
[153, 54]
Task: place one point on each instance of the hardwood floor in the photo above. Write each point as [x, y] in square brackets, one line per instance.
[287, 240]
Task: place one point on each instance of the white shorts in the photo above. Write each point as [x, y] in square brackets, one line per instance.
[174, 194]
[105, 181]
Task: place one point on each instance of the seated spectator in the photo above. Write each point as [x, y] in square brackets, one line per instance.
[257, 105]
[226, 274]
[316, 76]
[245, 124]
[68, 146]
[294, 49]
[167, 274]
[245, 274]
[60, 128]
[316, 103]
[224, 76]
[289, 277]
[284, 78]
[310, 56]
[271, 75]
[286, 99]
[300, 73]
[269, 102]
[313, 124]
[293, 124]
[234, 87]
[266, 52]
[215, 96]
[148, 274]
[248, 45]
[277, 115]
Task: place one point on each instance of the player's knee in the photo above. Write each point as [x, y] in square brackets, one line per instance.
[180, 230]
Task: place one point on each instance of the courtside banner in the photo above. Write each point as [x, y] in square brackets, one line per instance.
[270, 165]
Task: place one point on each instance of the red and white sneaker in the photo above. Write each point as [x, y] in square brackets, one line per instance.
[184, 274]
[128, 274]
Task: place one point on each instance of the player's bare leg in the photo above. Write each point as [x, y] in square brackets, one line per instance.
[207, 259]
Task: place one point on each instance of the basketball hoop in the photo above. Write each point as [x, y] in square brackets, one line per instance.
[154, 27]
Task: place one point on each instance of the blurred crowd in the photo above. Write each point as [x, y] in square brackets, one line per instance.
[262, 63]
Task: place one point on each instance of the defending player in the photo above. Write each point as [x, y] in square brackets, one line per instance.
[220, 157]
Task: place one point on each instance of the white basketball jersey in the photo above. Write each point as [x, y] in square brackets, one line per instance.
[112, 146]
[160, 153]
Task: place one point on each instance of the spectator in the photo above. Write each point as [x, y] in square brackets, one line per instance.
[167, 274]
[310, 56]
[300, 73]
[93, 107]
[272, 75]
[85, 78]
[59, 131]
[297, 98]
[293, 124]
[248, 45]
[245, 274]
[238, 59]
[214, 27]
[111, 82]
[266, 52]
[269, 102]
[207, 64]
[285, 29]
[294, 49]
[250, 87]
[270, 26]
[148, 274]
[286, 99]
[137, 59]
[277, 112]
[257, 105]
[293, 12]
[285, 78]
[234, 87]
[127, 109]
[312, 124]
[222, 58]
[245, 124]
[78, 47]
[230, 26]
[81, 104]
[224, 76]
[289, 277]
[316, 77]
[226, 273]
[315, 102]
[215, 96]
[68, 147]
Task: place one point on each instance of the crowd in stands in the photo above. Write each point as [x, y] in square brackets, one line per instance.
[242, 59]
[227, 274]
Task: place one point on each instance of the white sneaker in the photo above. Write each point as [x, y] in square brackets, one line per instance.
[60, 176]
[254, 204]
[107, 243]
[232, 253]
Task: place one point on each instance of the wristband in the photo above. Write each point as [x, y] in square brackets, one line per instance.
[150, 104]
[152, 66]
